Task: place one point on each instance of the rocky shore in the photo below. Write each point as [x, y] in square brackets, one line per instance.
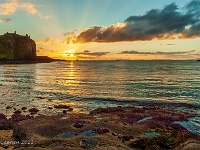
[148, 126]
[39, 59]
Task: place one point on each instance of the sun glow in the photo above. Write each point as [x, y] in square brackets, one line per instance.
[69, 54]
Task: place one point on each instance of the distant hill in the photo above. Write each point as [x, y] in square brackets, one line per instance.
[17, 47]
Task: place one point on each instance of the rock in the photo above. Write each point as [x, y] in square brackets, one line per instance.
[56, 144]
[70, 109]
[79, 124]
[17, 112]
[64, 111]
[15, 46]
[24, 108]
[16, 117]
[8, 107]
[61, 106]
[189, 145]
[33, 111]
[102, 130]
[88, 143]
[66, 135]
[107, 110]
[50, 107]
[3, 121]
[88, 133]
[43, 128]
[5, 124]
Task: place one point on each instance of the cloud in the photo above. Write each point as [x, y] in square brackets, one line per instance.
[70, 33]
[12, 6]
[87, 53]
[167, 23]
[5, 20]
[168, 44]
[46, 17]
[49, 41]
[41, 48]
[174, 53]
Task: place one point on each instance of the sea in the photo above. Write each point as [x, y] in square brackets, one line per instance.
[87, 85]
[101, 83]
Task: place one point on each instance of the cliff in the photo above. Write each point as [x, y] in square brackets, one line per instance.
[17, 47]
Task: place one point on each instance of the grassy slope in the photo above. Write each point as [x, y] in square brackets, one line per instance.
[4, 52]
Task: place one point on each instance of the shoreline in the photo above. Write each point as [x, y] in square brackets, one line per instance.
[149, 126]
[28, 61]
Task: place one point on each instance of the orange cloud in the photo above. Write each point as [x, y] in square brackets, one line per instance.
[13, 5]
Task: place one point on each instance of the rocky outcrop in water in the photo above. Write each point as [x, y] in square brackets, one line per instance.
[17, 47]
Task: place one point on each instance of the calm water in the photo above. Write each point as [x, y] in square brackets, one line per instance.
[90, 84]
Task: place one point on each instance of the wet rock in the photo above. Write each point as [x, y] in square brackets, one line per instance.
[56, 144]
[4, 124]
[2, 117]
[126, 138]
[88, 143]
[185, 132]
[66, 135]
[70, 109]
[149, 143]
[79, 124]
[61, 106]
[16, 117]
[50, 107]
[166, 139]
[24, 108]
[33, 111]
[150, 134]
[107, 110]
[102, 130]
[64, 111]
[17, 112]
[189, 145]
[8, 107]
[170, 135]
[88, 133]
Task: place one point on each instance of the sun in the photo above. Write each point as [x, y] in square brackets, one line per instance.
[69, 54]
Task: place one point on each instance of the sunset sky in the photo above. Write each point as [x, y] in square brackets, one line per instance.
[107, 29]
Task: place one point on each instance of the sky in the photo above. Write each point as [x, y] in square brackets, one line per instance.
[107, 29]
